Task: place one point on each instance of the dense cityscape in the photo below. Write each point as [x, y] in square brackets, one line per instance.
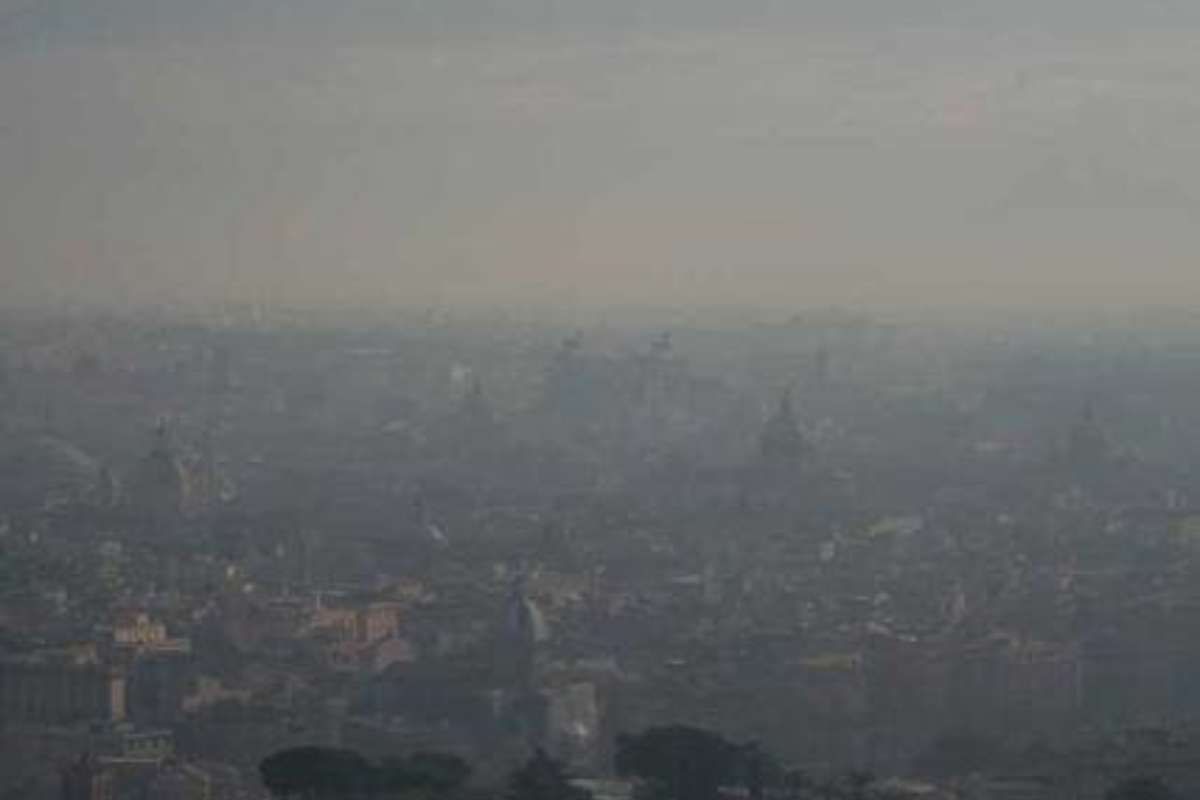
[885, 557]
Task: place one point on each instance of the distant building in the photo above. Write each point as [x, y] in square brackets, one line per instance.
[141, 633]
[361, 635]
[51, 692]
[1087, 445]
[781, 441]
[87, 779]
[573, 722]
[516, 667]
[476, 420]
[179, 781]
[158, 667]
[158, 488]
[1004, 686]
[606, 789]
[147, 774]
[365, 623]
[137, 629]
[44, 471]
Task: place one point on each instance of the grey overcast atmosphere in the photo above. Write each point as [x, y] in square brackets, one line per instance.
[599, 400]
[578, 152]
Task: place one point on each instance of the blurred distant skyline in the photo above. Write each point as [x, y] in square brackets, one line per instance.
[676, 152]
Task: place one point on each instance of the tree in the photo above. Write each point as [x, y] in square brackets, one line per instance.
[679, 762]
[315, 773]
[543, 778]
[1141, 787]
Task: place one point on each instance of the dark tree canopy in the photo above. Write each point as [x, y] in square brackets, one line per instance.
[680, 762]
[315, 772]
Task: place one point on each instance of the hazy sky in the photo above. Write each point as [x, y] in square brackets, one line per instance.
[743, 151]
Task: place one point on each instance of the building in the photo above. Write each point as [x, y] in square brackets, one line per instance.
[138, 631]
[360, 623]
[51, 692]
[87, 779]
[158, 488]
[781, 441]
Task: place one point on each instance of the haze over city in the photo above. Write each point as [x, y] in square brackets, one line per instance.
[567, 152]
[599, 400]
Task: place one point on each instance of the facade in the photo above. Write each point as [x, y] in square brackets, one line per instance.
[573, 722]
[367, 624]
[138, 629]
[87, 779]
[54, 694]
[1007, 687]
[158, 488]
[781, 441]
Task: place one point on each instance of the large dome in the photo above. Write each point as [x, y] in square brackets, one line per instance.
[158, 485]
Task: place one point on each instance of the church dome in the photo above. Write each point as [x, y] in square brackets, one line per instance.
[158, 486]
